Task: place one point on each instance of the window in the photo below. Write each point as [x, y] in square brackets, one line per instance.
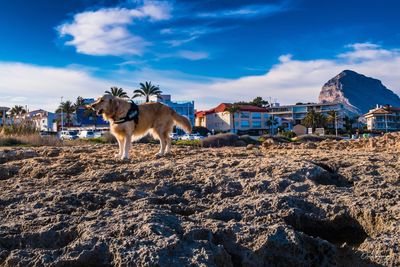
[256, 115]
[245, 114]
[256, 124]
[244, 123]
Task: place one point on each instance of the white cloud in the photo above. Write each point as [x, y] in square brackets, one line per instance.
[42, 87]
[368, 51]
[289, 81]
[193, 55]
[246, 11]
[105, 31]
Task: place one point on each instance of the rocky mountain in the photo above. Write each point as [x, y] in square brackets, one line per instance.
[359, 92]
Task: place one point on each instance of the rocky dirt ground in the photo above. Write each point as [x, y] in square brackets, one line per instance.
[334, 204]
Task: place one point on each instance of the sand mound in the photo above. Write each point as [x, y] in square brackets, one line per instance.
[267, 206]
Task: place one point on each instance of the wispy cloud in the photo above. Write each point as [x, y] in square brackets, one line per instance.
[105, 31]
[193, 55]
[368, 51]
[248, 11]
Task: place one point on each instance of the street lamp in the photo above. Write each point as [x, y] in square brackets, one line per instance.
[62, 115]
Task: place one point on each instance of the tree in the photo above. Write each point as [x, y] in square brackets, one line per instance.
[333, 117]
[259, 102]
[232, 109]
[119, 92]
[146, 90]
[271, 122]
[67, 108]
[17, 111]
[348, 123]
[314, 120]
[79, 102]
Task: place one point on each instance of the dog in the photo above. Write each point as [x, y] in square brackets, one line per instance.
[153, 117]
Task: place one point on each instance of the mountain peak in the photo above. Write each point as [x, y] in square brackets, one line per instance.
[359, 92]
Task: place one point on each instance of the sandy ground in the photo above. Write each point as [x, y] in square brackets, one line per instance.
[77, 206]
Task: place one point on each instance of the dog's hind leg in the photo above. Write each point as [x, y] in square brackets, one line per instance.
[168, 141]
[120, 144]
[157, 134]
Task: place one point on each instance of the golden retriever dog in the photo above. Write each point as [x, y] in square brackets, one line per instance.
[154, 118]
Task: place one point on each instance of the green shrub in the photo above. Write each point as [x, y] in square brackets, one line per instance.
[187, 142]
[288, 134]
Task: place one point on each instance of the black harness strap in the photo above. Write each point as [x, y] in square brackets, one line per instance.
[132, 115]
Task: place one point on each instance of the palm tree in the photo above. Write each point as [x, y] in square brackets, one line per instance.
[146, 90]
[348, 123]
[79, 102]
[314, 120]
[17, 111]
[232, 109]
[67, 108]
[119, 92]
[271, 122]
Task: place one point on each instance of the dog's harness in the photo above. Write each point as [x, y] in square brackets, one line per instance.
[132, 115]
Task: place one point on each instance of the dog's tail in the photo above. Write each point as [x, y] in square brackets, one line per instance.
[182, 122]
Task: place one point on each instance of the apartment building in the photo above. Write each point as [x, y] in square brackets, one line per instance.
[42, 119]
[383, 118]
[185, 108]
[247, 118]
[294, 114]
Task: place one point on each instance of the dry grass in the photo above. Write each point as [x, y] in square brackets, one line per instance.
[29, 140]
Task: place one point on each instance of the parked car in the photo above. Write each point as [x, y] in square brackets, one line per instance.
[68, 135]
[174, 136]
[98, 134]
[86, 134]
[195, 136]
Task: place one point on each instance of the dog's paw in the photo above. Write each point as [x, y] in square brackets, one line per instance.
[159, 155]
[117, 156]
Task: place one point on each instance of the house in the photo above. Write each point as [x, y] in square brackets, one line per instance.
[383, 118]
[42, 119]
[294, 114]
[3, 115]
[185, 108]
[85, 118]
[247, 119]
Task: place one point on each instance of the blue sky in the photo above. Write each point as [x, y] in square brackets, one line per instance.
[208, 51]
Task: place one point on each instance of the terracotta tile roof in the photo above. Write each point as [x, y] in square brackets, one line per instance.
[224, 106]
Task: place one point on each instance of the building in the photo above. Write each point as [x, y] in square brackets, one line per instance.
[88, 118]
[3, 115]
[247, 119]
[185, 108]
[383, 118]
[294, 114]
[42, 119]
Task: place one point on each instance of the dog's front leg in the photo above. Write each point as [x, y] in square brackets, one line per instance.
[120, 147]
[126, 147]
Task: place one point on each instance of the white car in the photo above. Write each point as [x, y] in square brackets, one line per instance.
[191, 137]
[174, 136]
[68, 135]
[86, 134]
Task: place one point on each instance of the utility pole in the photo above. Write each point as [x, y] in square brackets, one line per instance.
[336, 124]
[62, 115]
